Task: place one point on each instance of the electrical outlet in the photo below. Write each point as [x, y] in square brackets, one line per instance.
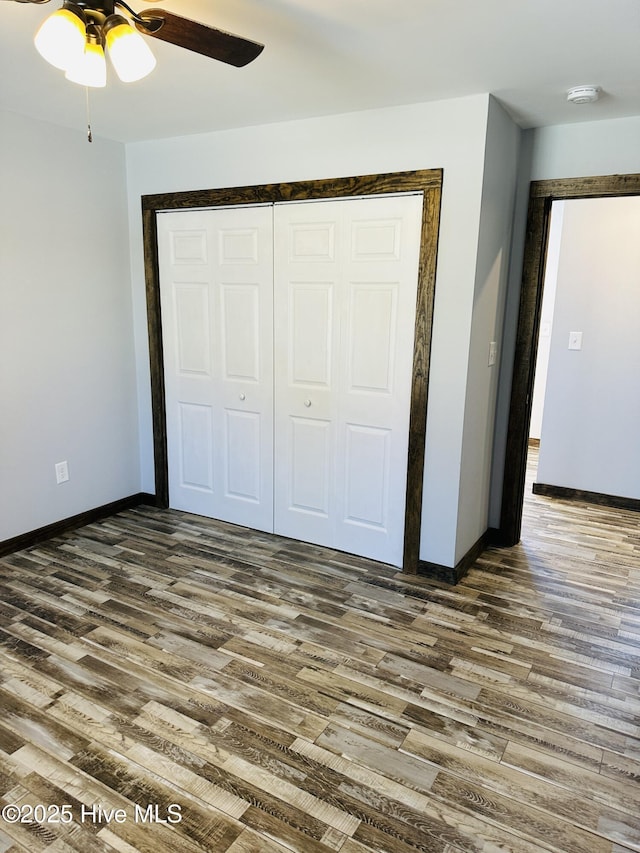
[575, 340]
[62, 472]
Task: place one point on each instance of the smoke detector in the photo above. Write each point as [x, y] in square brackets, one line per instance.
[583, 94]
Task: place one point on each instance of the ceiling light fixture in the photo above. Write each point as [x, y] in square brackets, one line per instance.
[91, 67]
[61, 37]
[583, 94]
[74, 37]
[129, 52]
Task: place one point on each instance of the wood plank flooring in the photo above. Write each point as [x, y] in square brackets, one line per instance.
[169, 683]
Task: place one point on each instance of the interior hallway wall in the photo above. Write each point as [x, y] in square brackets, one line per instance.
[546, 319]
[560, 151]
[502, 154]
[589, 438]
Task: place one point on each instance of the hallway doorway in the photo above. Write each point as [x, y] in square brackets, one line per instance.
[541, 197]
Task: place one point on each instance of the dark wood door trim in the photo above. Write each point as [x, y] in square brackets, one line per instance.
[541, 196]
[429, 183]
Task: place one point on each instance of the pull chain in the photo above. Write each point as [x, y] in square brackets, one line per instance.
[89, 134]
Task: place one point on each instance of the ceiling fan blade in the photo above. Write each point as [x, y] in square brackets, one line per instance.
[200, 38]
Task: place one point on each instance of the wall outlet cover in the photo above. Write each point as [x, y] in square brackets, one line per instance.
[575, 340]
[62, 472]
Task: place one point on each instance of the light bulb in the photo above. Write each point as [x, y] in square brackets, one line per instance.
[129, 52]
[61, 37]
[91, 69]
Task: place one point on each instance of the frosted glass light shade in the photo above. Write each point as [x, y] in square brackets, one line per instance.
[91, 69]
[129, 52]
[61, 38]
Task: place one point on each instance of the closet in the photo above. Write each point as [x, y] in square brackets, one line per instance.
[288, 335]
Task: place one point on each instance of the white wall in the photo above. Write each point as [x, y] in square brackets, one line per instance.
[546, 319]
[449, 135]
[561, 151]
[67, 372]
[586, 148]
[494, 241]
[589, 437]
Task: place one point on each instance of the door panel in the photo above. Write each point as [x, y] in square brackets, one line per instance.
[310, 349]
[308, 466]
[216, 274]
[191, 311]
[240, 315]
[371, 337]
[242, 456]
[195, 442]
[367, 459]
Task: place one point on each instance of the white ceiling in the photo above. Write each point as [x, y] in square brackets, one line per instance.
[333, 56]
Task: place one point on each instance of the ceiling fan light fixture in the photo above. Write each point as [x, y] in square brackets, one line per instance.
[129, 53]
[61, 37]
[91, 68]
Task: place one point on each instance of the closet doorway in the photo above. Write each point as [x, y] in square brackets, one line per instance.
[288, 336]
[322, 339]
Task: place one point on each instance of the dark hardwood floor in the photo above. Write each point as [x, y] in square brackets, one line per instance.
[170, 683]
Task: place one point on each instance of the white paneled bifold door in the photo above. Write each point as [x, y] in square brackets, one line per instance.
[345, 297]
[288, 338]
[216, 292]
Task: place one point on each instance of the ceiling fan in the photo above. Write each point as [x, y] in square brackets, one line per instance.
[73, 39]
